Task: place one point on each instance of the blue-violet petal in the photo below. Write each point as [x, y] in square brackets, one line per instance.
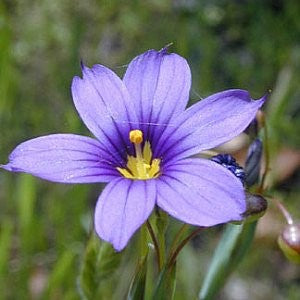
[207, 124]
[66, 158]
[123, 206]
[200, 192]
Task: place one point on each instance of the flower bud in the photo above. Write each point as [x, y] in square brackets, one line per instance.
[252, 166]
[229, 162]
[256, 206]
[289, 242]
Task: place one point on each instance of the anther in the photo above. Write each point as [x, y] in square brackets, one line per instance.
[136, 136]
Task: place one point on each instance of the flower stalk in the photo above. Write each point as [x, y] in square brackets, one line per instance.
[155, 243]
[177, 237]
[263, 124]
[284, 211]
[174, 255]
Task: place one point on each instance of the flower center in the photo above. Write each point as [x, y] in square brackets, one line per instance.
[141, 166]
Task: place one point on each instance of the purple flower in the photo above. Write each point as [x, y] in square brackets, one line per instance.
[144, 138]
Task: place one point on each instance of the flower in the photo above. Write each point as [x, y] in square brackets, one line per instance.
[144, 141]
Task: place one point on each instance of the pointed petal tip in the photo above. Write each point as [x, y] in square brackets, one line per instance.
[165, 49]
[82, 65]
[77, 78]
[266, 96]
[262, 100]
[86, 70]
[6, 167]
[117, 246]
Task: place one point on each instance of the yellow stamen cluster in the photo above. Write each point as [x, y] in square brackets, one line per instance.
[141, 166]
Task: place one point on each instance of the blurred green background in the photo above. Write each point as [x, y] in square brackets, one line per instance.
[44, 227]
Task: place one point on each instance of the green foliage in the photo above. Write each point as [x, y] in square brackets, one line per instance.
[99, 263]
[138, 285]
[166, 284]
[232, 248]
[88, 277]
[62, 267]
[5, 247]
[26, 200]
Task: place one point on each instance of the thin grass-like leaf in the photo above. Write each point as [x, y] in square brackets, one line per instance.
[60, 272]
[138, 284]
[5, 244]
[166, 284]
[231, 249]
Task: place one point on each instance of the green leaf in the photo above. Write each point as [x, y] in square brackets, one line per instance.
[231, 249]
[26, 198]
[138, 284]
[5, 245]
[108, 260]
[99, 263]
[88, 276]
[165, 288]
[60, 271]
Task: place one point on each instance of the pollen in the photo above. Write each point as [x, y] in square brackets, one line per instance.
[141, 166]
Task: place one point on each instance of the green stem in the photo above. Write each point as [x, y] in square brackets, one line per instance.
[177, 237]
[181, 245]
[267, 157]
[156, 246]
[284, 211]
[143, 247]
[161, 226]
